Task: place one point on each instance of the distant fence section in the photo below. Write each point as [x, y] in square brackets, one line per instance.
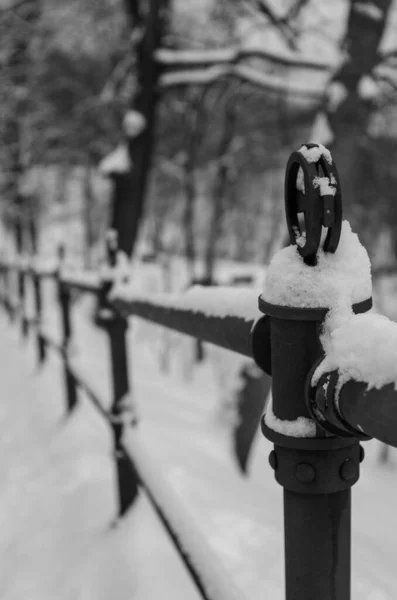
[316, 467]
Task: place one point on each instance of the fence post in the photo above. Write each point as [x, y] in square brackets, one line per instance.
[122, 410]
[21, 281]
[315, 468]
[7, 303]
[41, 348]
[64, 298]
[37, 297]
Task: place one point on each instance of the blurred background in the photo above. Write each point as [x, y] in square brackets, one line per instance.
[184, 112]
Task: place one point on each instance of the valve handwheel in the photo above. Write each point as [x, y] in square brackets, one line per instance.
[319, 210]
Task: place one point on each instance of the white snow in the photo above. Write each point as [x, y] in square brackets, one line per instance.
[314, 154]
[341, 276]
[337, 276]
[133, 123]
[369, 10]
[117, 161]
[219, 301]
[368, 89]
[326, 187]
[363, 348]
[300, 428]
[218, 583]
[336, 94]
[300, 181]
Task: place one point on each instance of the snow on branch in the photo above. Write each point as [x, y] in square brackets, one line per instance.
[217, 56]
[258, 78]
[118, 161]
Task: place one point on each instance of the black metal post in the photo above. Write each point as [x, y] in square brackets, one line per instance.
[37, 296]
[122, 410]
[64, 299]
[6, 296]
[316, 472]
[40, 344]
[19, 242]
[317, 545]
[315, 468]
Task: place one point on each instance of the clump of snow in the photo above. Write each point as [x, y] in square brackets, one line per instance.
[326, 187]
[368, 89]
[336, 94]
[362, 348]
[300, 181]
[341, 276]
[303, 427]
[219, 301]
[369, 9]
[117, 161]
[133, 123]
[314, 154]
[300, 237]
[111, 237]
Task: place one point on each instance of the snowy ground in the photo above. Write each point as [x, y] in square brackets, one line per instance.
[57, 489]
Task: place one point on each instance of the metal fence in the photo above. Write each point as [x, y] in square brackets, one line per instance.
[317, 473]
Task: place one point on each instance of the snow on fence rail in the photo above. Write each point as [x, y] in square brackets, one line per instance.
[333, 368]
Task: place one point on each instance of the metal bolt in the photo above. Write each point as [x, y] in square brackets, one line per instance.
[305, 473]
[273, 460]
[348, 469]
[362, 454]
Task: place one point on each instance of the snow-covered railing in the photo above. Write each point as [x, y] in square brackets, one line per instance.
[332, 362]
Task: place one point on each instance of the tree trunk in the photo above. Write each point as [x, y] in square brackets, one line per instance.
[219, 193]
[131, 191]
[349, 117]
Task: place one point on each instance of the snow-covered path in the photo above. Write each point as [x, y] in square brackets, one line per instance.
[57, 498]
[56, 488]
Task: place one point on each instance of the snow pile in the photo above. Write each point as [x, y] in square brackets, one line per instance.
[341, 276]
[314, 154]
[364, 348]
[300, 181]
[133, 123]
[300, 428]
[326, 186]
[117, 161]
[219, 301]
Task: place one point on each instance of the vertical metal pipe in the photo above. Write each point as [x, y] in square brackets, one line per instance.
[21, 287]
[41, 348]
[64, 305]
[121, 411]
[317, 531]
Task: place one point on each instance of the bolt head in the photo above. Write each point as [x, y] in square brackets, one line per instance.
[348, 469]
[305, 473]
[273, 460]
[362, 453]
